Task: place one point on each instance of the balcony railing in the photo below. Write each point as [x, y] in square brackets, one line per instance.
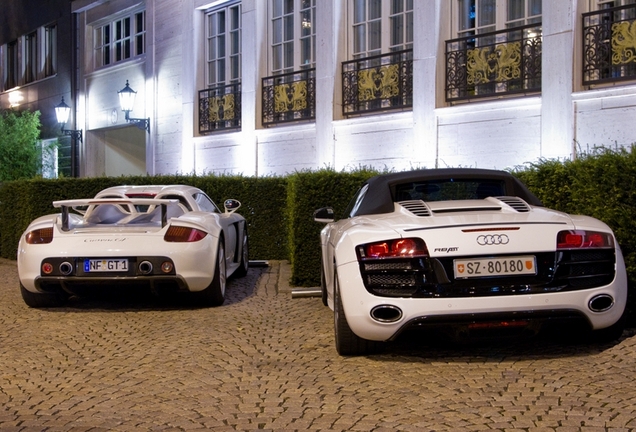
[609, 45]
[378, 83]
[289, 97]
[220, 108]
[494, 64]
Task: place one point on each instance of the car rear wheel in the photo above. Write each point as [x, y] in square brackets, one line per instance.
[241, 271]
[42, 300]
[323, 285]
[609, 334]
[347, 342]
[214, 294]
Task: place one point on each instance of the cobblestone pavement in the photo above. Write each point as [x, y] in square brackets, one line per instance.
[265, 361]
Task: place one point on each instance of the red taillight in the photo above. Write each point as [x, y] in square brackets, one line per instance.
[403, 247]
[40, 236]
[183, 234]
[578, 239]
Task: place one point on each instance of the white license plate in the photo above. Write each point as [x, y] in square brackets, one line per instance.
[485, 267]
[105, 265]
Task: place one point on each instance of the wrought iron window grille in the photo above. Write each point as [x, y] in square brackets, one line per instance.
[378, 83]
[609, 45]
[289, 97]
[220, 108]
[493, 64]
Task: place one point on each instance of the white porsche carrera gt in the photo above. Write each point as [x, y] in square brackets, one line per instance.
[166, 238]
[467, 253]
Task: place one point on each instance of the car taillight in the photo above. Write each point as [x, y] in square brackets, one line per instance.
[40, 236]
[579, 239]
[396, 248]
[183, 234]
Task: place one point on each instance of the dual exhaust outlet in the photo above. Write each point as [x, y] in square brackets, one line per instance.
[387, 314]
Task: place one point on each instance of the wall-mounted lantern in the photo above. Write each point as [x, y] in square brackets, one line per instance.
[62, 112]
[127, 100]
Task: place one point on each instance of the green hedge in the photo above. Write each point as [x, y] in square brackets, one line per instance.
[279, 210]
[263, 205]
[601, 184]
[308, 191]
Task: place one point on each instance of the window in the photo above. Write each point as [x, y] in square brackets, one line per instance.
[293, 35]
[120, 39]
[223, 34]
[483, 16]
[12, 68]
[608, 42]
[30, 57]
[608, 4]
[369, 17]
[50, 50]
[205, 203]
[522, 12]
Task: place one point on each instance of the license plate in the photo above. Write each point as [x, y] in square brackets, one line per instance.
[105, 265]
[486, 267]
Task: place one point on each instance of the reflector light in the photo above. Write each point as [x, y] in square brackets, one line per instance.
[40, 236]
[47, 268]
[180, 234]
[396, 248]
[580, 239]
[166, 266]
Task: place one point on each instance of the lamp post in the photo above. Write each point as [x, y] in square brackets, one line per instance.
[62, 112]
[127, 100]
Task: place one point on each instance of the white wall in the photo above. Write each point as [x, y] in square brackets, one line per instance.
[500, 133]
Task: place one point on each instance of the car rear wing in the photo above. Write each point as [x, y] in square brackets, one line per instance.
[66, 205]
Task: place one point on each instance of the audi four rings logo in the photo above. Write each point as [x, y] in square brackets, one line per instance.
[494, 239]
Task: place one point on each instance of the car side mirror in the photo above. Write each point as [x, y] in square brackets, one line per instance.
[231, 205]
[324, 215]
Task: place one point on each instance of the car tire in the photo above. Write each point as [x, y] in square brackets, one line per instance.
[323, 285]
[214, 294]
[347, 342]
[609, 334]
[244, 265]
[42, 300]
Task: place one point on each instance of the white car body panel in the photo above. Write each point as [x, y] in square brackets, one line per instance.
[83, 238]
[450, 230]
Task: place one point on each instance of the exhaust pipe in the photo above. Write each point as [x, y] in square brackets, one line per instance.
[601, 303]
[145, 267]
[66, 268]
[386, 313]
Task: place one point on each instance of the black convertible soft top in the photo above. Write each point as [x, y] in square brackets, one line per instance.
[381, 191]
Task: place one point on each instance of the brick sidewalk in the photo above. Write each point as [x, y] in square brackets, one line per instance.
[265, 361]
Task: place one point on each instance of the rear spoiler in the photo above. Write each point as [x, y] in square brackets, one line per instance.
[68, 204]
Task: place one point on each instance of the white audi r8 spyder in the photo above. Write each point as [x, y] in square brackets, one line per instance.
[466, 253]
[166, 238]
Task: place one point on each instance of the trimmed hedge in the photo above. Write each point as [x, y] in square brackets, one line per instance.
[279, 210]
[263, 205]
[308, 191]
[601, 184]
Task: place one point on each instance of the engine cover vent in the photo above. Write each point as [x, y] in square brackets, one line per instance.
[417, 207]
[516, 203]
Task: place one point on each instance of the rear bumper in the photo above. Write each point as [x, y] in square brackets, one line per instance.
[457, 312]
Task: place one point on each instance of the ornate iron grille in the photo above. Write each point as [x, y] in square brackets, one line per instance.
[377, 83]
[609, 45]
[220, 108]
[494, 64]
[289, 97]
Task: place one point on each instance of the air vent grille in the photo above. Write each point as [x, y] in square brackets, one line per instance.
[417, 207]
[516, 203]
